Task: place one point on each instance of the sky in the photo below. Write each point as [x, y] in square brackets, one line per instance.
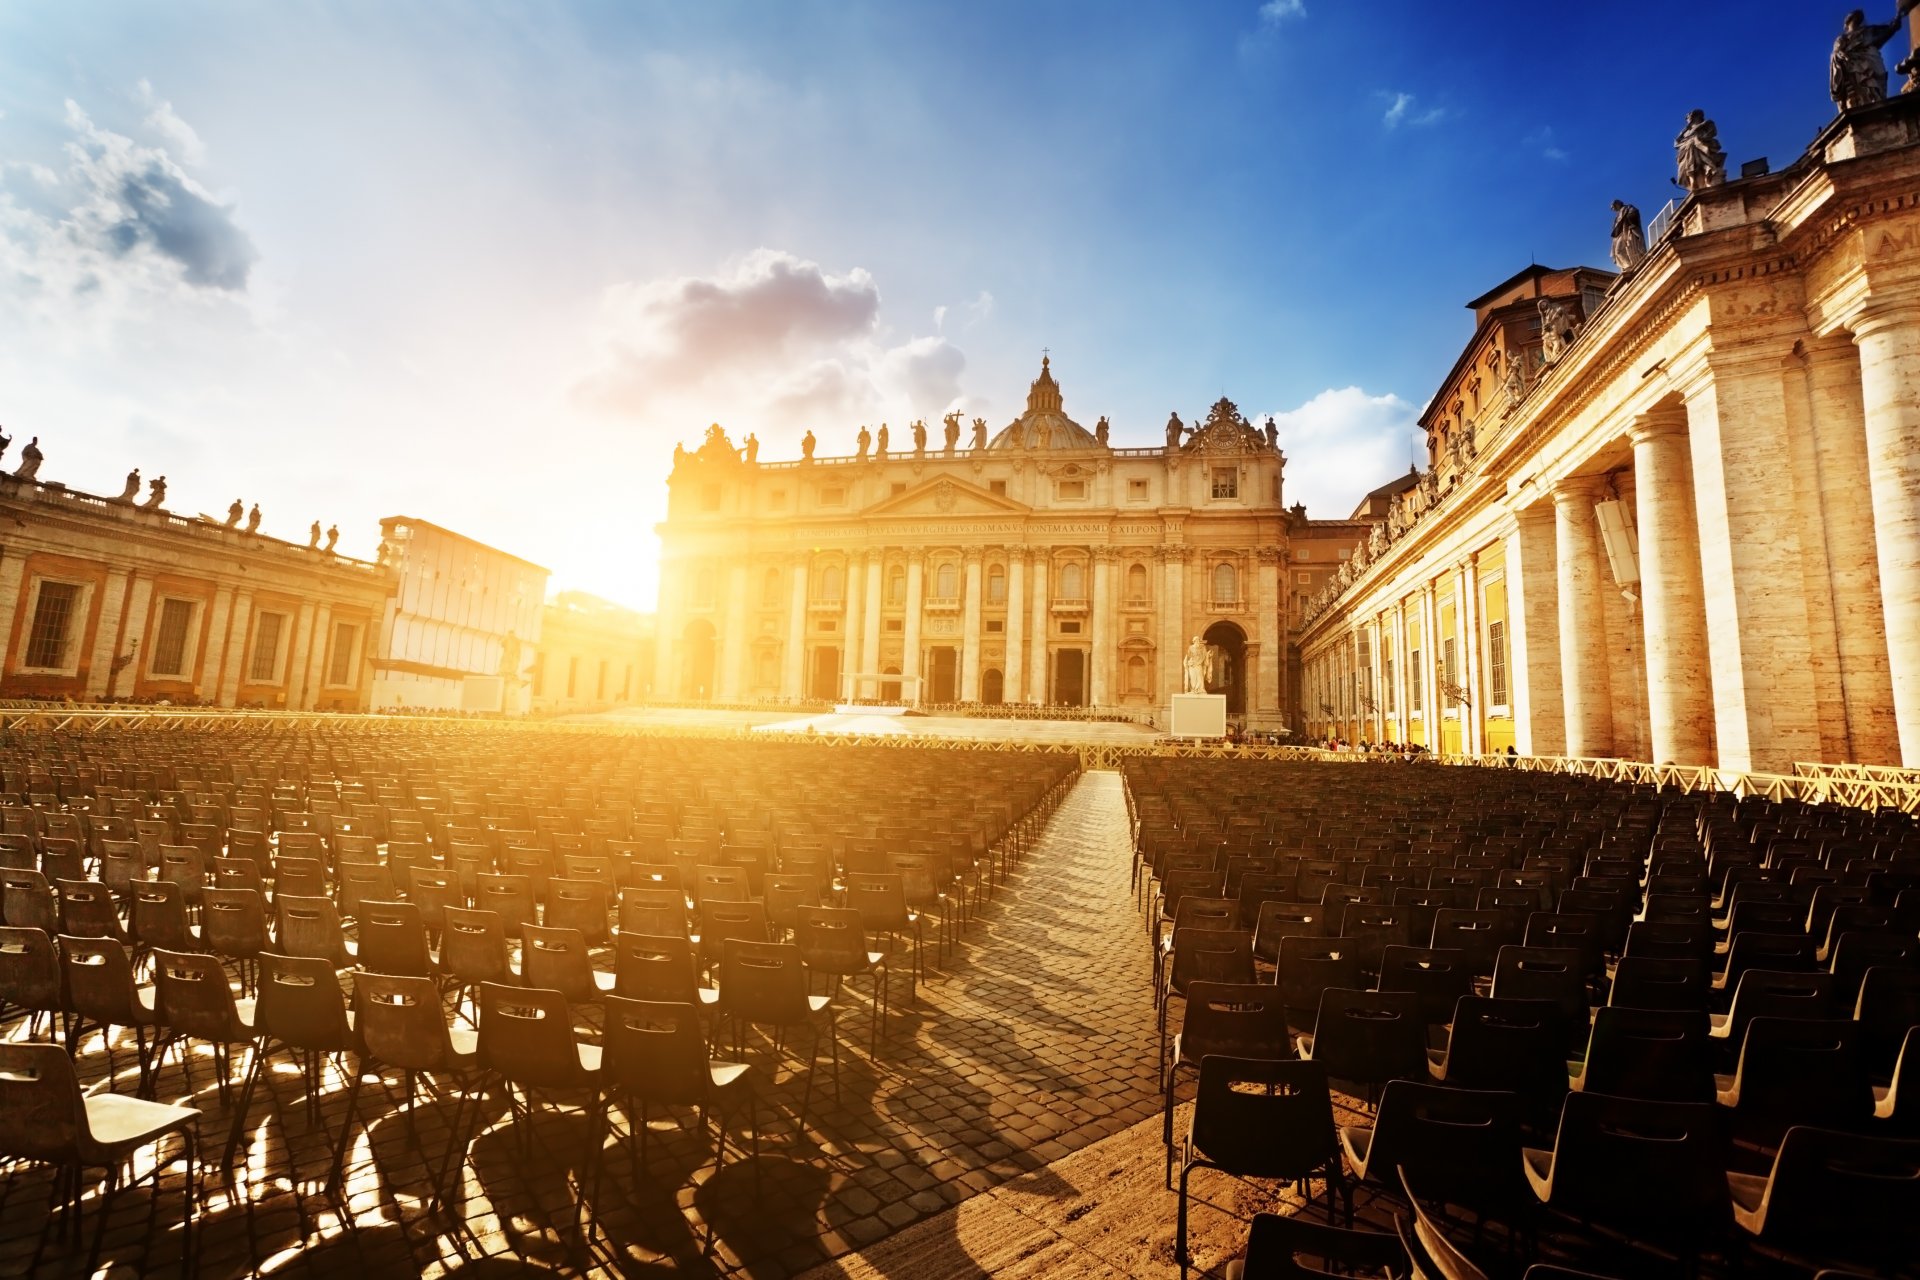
[484, 264]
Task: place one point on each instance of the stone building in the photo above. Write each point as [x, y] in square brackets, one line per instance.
[461, 627]
[1042, 566]
[593, 654]
[106, 599]
[1683, 521]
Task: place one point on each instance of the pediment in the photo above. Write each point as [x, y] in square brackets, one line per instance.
[947, 496]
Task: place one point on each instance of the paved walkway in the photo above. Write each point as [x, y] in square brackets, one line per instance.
[1036, 1041]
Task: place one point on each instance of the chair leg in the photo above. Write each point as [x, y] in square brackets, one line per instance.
[1180, 1230]
[240, 1112]
[334, 1177]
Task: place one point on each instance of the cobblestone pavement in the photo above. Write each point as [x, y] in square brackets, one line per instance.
[1034, 1040]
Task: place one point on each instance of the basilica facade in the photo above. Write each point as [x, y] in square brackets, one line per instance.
[1042, 566]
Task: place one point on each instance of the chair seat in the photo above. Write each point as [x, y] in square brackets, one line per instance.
[1303, 1043]
[726, 1074]
[589, 1057]
[1883, 1100]
[1720, 1026]
[1727, 1088]
[709, 996]
[117, 1122]
[602, 981]
[465, 1048]
[1749, 1192]
[1538, 1166]
[818, 1004]
[1357, 1140]
[143, 1007]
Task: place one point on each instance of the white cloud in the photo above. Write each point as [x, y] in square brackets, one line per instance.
[1274, 12]
[773, 344]
[162, 119]
[1344, 443]
[980, 310]
[1402, 109]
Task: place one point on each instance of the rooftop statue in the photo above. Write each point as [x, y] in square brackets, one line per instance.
[1174, 429]
[753, 448]
[806, 447]
[253, 519]
[333, 536]
[1516, 382]
[952, 423]
[1100, 431]
[1629, 239]
[1857, 75]
[880, 442]
[979, 433]
[919, 437]
[1559, 326]
[29, 460]
[313, 536]
[865, 441]
[131, 489]
[1697, 154]
[156, 494]
[234, 513]
[5, 440]
[1272, 433]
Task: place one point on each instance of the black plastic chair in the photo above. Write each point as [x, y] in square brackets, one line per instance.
[1369, 1037]
[1276, 1242]
[1836, 1195]
[1458, 1143]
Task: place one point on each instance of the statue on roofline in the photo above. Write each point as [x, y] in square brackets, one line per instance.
[130, 490]
[234, 512]
[919, 437]
[952, 424]
[1857, 73]
[1629, 238]
[1175, 428]
[979, 433]
[1100, 431]
[156, 494]
[253, 519]
[30, 458]
[865, 441]
[1698, 155]
[806, 446]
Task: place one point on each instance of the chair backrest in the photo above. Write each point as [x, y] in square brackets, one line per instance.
[656, 1050]
[1454, 1137]
[1657, 1168]
[1804, 1071]
[1661, 1054]
[832, 940]
[1672, 939]
[27, 901]
[1888, 1004]
[1475, 932]
[400, 1020]
[433, 890]
[233, 922]
[393, 939]
[785, 893]
[298, 877]
[1237, 1019]
[721, 884]
[1509, 1044]
[1438, 975]
[577, 904]
[1210, 955]
[159, 915]
[881, 900]
[360, 881]
[191, 996]
[29, 968]
[1764, 993]
[763, 982]
[1278, 919]
[40, 1097]
[655, 967]
[1853, 1194]
[721, 921]
[1429, 1252]
[87, 909]
[1370, 1036]
[1660, 982]
[1545, 973]
[309, 927]
[557, 959]
[301, 1004]
[1284, 1129]
[508, 896]
[99, 979]
[526, 1035]
[653, 911]
[1309, 966]
[473, 947]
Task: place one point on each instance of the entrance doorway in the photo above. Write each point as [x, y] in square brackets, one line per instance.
[890, 689]
[1230, 672]
[1070, 677]
[825, 681]
[941, 664]
[992, 687]
[696, 661]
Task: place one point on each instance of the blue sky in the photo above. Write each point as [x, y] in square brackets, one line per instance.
[485, 264]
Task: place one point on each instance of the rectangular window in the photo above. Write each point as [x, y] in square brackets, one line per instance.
[1413, 680]
[170, 638]
[998, 487]
[1226, 482]
[1137, 490]
[996, 625]
[828, 624]
[340, 667]
[1073, 489]
[1497, 663]
[892, 624]
[52, 625]
[1386, 682]
[1302, 579]
[1069, 628]
[265, 663]
[899, 487]
[1303, 553]
[1448, 674]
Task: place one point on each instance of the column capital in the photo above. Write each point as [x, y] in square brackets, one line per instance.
[971, 556]
[1267, 555]
[1105, 555]
[1664, 420]
[1879, 313]
[1574, 489]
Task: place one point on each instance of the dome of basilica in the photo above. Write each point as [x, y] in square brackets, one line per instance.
[1045, 424]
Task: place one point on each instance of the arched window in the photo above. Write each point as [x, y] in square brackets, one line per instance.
[770, 589]
[831, 582]
[896, 585]
[946, 581]
[1136, 582]
[1226, 583]
[997, 584]
[1136, 674]
[1073, 581]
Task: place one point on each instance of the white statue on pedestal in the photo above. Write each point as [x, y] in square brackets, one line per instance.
[1197, 665]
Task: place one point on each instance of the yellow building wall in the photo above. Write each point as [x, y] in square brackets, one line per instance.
[1497, 729]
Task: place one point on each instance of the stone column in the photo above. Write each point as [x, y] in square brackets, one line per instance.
[1037, 673]
[1888, 336]
[1266, 629]
[12, 570]
[850, 624]
[306, 638]
[316, 674]
[1173, 619]
[1103, 646]
[735, 633]
[1011, 688]
[1533, 633]
[135, 631]
[1583, 628]
[1673, 609]
[910, 659]
[106, 636]
[793, 670]
[870, 633]
[970, 626]
[239, 656]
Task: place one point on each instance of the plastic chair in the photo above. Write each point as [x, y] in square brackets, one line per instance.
[1428, 1249]
[653, 911]
[50, 1121]
[1887, 1005]
[1889, 1114]
[1661, 982]
[1439, 976]
[765, 984]
[1795, 1071]
[101, 990]
[1311, 966]
[193, 1002]
[881, 900]
[1763, 993]
[1275, 1243]
[558, 960]
[87, 910]
[300, 1009]
[508, 896]
[1546, 973]
[1665, 1055]
[1834, 1195]
[1462, 1142]
[1654, 1170]
[1475, 932]
[1515, 1046]
[473, 950]
[30, 975]
[393, 940]
[580, 905]
[1278, 920]
[311, 927]
[233, 926]
[1369, 1037]
[159, 919]
[1235, 1020]
[784, 895]
[1285, 1133]
[1204, 955]
[833, 942]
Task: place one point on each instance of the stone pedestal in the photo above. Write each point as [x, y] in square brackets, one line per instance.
[1198, 715]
